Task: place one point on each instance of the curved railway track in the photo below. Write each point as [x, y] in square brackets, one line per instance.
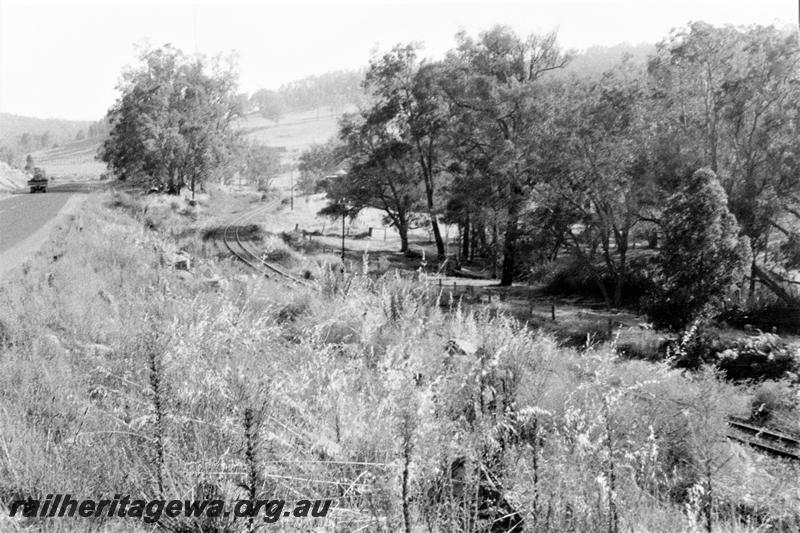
[765, 440]
[245, 253]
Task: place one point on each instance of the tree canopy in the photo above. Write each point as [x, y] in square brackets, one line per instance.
[501, 139]
[171, 127]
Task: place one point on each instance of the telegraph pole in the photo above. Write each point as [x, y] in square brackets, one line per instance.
[291, 190]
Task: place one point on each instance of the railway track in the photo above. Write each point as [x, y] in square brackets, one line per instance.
[765, 440]
[245, 253]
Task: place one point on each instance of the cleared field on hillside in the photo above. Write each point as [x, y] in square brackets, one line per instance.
[295, 131]
[73, 161]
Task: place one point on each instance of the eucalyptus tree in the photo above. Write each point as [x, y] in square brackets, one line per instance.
[316, 162]
[406, 95]
[172, 124]
[382, 171]
[494, 90]
[602, 184]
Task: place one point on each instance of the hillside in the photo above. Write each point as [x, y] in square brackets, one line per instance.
[598, 59]
[12, 127]
[75, 160]
[71, 161]
[295, 131]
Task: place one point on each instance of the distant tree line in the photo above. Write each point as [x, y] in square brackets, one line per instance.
[334, 90]
[527, 160]
[14, 149]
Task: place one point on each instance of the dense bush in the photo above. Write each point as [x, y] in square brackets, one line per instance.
[766, 316]
[760, 357]
[578, 279]
[697, 346]
[771, 399]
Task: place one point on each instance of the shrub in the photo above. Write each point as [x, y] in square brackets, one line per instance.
[577, 279]
[697, 346]
[761, 357]
[644, 344]
[765, 316]
[771, 398]
[703, 256]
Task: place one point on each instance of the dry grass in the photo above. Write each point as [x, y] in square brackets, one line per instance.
[119, 374]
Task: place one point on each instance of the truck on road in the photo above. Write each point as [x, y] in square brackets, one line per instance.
[39, 181]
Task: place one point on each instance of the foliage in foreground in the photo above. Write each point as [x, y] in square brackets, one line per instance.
[118, 375]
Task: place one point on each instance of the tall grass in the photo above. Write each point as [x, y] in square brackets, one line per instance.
[121, 375]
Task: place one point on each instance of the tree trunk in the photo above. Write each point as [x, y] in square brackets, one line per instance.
[402, 229]
[465, 238]
[556, 248]
[478, 240]
[510, 240]
[772, 285]
[603, 289]
[426, 159]
[652, 240]
[509, 251]
[622, 248]
[437, 235]
[494, 250]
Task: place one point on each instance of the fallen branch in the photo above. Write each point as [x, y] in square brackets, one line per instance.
[765, 278]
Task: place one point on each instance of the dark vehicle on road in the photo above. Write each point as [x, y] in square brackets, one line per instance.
[39, 181]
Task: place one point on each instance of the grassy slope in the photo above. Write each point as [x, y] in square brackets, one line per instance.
[71, 161]
[295, 131]
[97, 342]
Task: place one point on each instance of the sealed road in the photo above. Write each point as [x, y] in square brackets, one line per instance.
[25, 220]
[23, 214]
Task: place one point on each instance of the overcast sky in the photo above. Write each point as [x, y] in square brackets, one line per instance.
[63, 59]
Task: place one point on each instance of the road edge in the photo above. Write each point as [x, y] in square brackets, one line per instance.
[15, 256]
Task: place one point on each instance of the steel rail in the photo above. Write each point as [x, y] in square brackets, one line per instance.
[249, 256]
[769, 441]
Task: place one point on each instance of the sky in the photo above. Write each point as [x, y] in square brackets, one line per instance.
[63, 59]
